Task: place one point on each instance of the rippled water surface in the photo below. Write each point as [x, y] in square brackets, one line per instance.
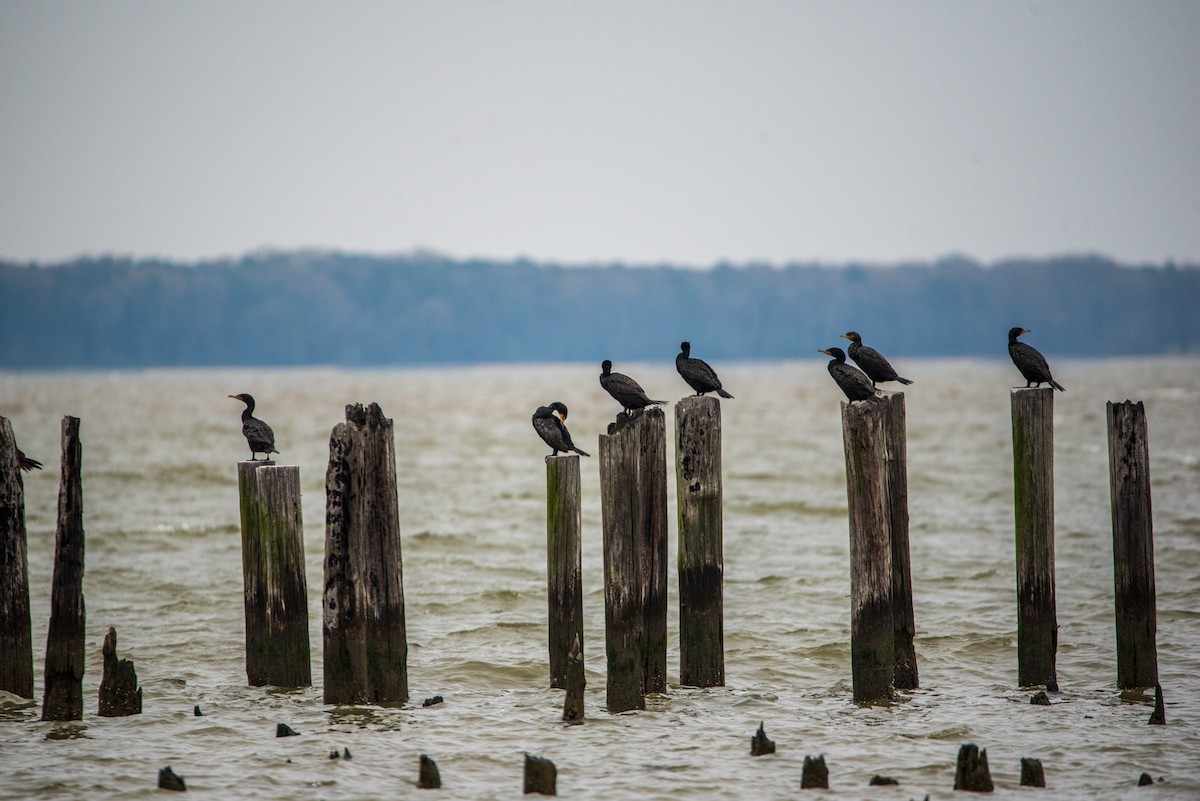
[164, 566]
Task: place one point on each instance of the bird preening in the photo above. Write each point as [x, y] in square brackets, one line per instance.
[259, 435]
[548, 423]
[697, 373]
[1032, 364]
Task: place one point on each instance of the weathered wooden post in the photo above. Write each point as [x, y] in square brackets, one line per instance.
[701, 558]
[564, 569]
[905, 674]
[872, 660]
[366, 643]
[541, 776]
[633, 486]
[16, 642]
[1033, 497]
[1133, 545]
[63, 696]
[120, 694]
[971, 770]
[573, 711]
[274, 584]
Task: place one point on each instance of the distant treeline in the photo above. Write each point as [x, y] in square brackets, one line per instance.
[334, 308]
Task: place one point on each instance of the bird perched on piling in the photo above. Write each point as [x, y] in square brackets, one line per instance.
[550, 428]
[624, 389]
[871, 361]
[26, 463]
[854, 382]
[697, 373]
[1032, 364]
[258, 434]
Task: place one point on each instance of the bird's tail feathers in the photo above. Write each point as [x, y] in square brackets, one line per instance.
[723, 393]
[581, 453]
[30, 464]
[904, 380]
[1057, 385]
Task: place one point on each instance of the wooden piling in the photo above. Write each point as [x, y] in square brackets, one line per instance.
[428, 777]
[1033, 498]
[633, 488]
[16, 642]
[814, 775]
[904, 674]
[564, 570]
[576, 681]
[63, 676]
[971, 770]
[1032, 774]
[365, 639]
[540, 776]
[1133, 545]
[274, 586]
[871, 613]
[120, 694]
[700, 554]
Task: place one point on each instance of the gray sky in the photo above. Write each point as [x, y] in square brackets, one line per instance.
[687, 132]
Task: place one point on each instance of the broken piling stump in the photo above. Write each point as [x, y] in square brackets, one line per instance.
[275, 589]
[540, 776]
[1133, 545]
[564, 571]
[1033, 500]
[872, 632]
[971, 771]
[701, 559]
[120, 694]
[63, 696]
[1032, 774]
[365, 638]
[1159, 716]
[760, 744]
[170, 780]
[428, 777]
[16, 641]
[815, 774]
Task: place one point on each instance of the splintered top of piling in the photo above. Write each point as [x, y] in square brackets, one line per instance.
[369, 416]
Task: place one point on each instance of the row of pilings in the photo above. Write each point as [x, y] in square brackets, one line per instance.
[364, 633]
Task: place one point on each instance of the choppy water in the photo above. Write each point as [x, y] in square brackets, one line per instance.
[163, 566]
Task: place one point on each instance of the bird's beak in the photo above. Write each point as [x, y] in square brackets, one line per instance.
[561, 415]
[235, 397]
[844, 336]
[1026, 331]
[823, 351]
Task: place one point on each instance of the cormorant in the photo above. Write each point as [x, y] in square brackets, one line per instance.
[854, 382]
[871, 361]
[258, 434]
[1031, 363]
[697, 373]
[627, 392]
[26, 463]
[551, 429]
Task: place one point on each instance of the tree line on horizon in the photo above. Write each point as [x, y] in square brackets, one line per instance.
[303, 308]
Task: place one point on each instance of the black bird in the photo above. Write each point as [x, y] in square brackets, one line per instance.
[697, 373]
[1031, 363]
[258, 434]
[627, 392]
[551, 429]
[26, 463]
[854, 382]
[871, 361]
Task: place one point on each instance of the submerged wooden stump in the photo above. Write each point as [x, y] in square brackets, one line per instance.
[16, 641]
[701, 557]
[760, 744]
[971, 771]
[274, 585]
[365, 638]
[170, 780]
[1032, 774]
[540, 776]
[576, 681]
[1033, 498]
[633, 486]
[814, 775]
[1133, 545]
[120, 694]
[872, 632]
[564, 571]
[63, 697]
[428, 777]
[1159, 716]
[904, 652]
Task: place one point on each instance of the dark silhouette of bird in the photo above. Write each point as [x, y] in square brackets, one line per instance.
[1031, 363]
[624, 389]
[697, 373]
[871, 361]
[258, 434]
[551, 429]
[26, 463]
[854, 382]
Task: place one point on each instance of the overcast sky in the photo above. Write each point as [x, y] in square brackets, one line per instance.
[687, 132]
